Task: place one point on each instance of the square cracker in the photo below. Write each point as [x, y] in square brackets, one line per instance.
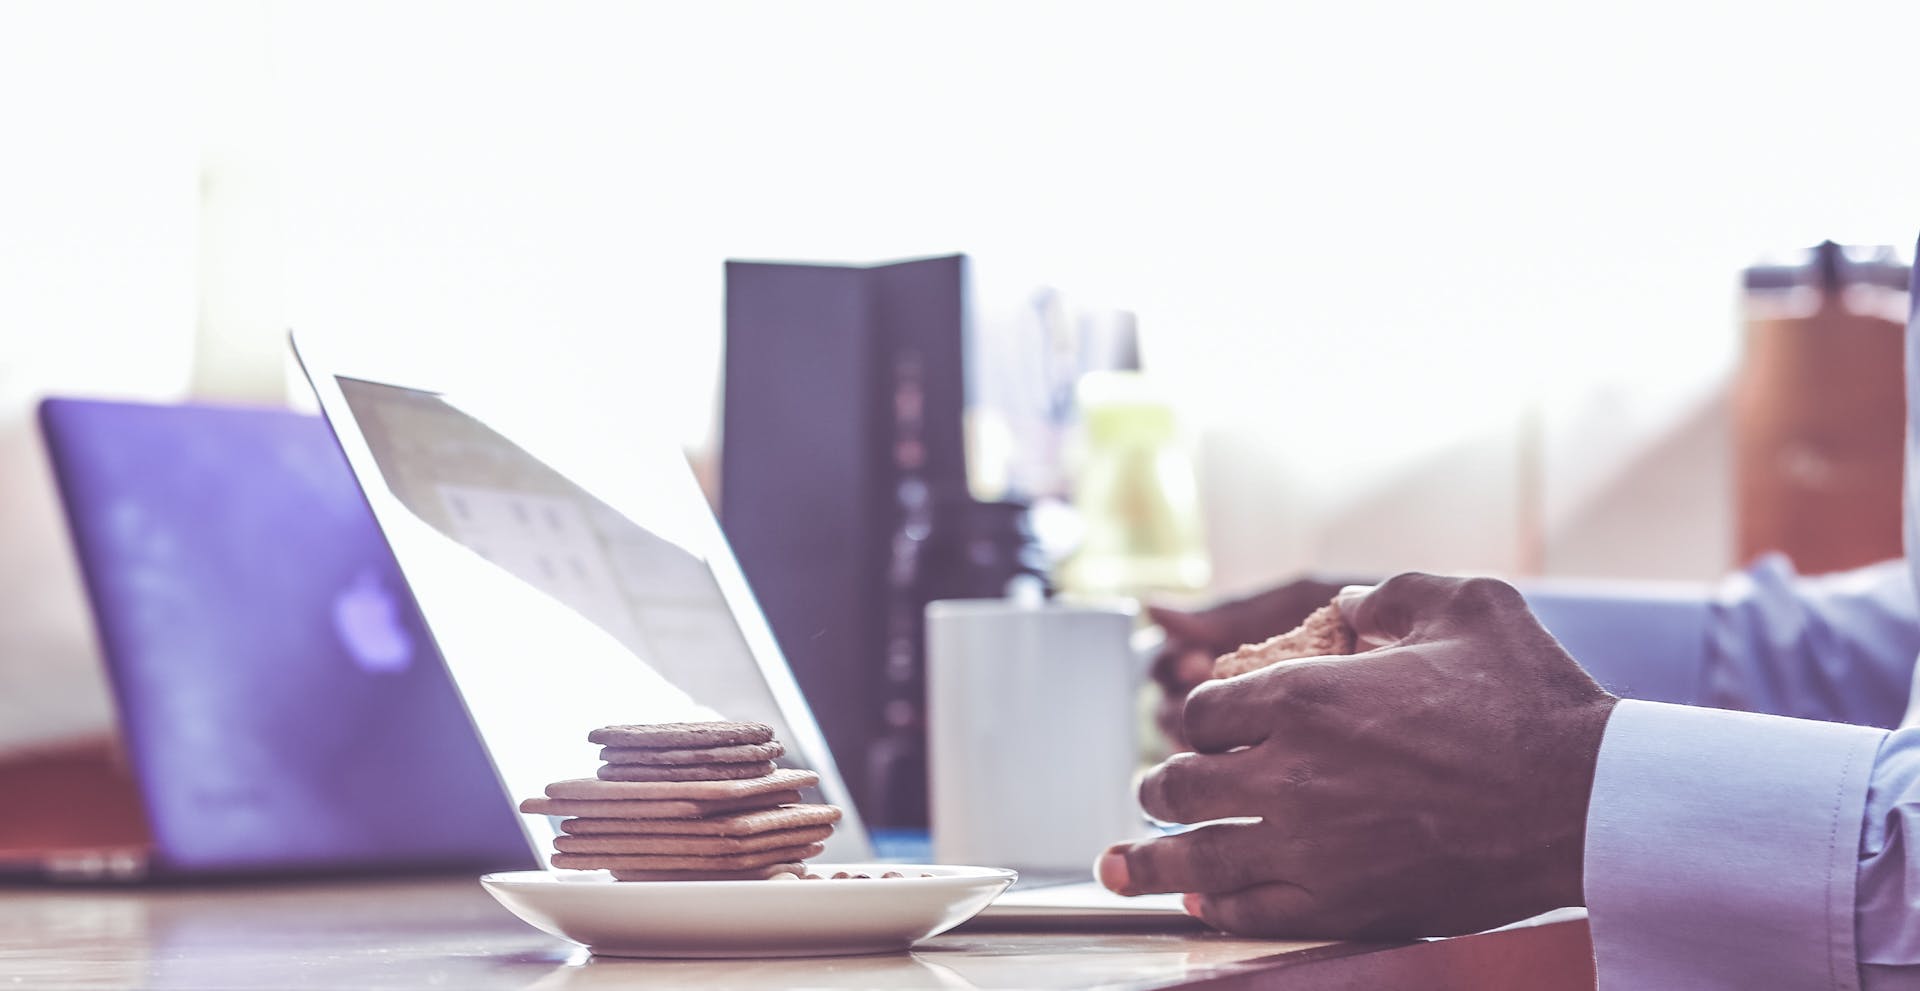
[595, 789]
[735, 824]
[657, 844]
[685, 861]
[738, 753]
[750, 874]
[683, 808]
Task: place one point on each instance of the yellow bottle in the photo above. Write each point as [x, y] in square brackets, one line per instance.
[1136, 495]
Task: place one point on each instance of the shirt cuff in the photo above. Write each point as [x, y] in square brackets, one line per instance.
[1722, 847]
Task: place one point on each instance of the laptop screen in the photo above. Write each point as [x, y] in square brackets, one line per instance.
[280, 707]
[568, 590]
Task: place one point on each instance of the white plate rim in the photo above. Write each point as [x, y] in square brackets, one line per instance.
[942, 874]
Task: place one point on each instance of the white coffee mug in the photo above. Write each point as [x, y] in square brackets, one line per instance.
[1031, 715]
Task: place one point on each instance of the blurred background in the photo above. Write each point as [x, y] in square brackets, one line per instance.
[1454, 287]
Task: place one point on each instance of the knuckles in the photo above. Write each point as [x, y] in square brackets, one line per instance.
[1413, 587]
[1419, 590]
[1488, 594]
[1415, 601]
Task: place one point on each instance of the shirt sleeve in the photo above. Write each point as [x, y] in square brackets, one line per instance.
[1639, 640]
[1722, 848]
[1836, 647]
[1888, 924]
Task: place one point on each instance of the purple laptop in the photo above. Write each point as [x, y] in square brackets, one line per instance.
[281, 706]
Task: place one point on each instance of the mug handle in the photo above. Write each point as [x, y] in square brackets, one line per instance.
[1145, 644]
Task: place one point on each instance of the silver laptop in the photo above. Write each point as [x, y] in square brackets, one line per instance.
[572, 580]
[239, 587]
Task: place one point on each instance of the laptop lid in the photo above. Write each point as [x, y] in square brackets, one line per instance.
[281, 706]
[571, 573]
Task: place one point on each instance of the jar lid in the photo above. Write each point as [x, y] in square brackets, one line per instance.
[1830, 267]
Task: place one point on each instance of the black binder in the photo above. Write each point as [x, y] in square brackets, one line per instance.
[842, 453]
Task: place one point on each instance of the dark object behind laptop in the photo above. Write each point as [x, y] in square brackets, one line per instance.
[280, 707]
[844, 494]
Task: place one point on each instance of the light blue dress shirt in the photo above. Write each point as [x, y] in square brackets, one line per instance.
[1764, 848]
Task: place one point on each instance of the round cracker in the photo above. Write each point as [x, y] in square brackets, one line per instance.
[739, 753]
[684, 772]
[681, 736]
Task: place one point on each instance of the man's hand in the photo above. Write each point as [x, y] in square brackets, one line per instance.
[1194, 639]
[1434, 786]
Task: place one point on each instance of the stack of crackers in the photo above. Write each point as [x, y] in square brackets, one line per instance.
[687, 802]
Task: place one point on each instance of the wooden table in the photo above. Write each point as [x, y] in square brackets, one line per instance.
[447, 933]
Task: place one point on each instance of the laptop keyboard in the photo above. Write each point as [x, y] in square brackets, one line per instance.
[1029, 880]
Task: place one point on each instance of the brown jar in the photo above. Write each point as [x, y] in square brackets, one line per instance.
[1820, 411]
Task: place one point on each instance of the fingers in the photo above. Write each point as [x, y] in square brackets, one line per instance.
[1187, 629]
[1387, 612]
[1275, 908]
[1217, 858]
[1167, 716]
[1190, 669]
[1406, 605]
[1350, 595]
[1222, 715]
[1201, 787]
[1347, 604]
[1177, 668]
[1186, 659]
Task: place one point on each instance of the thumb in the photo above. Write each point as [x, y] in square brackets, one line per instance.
[1350, 604]
[1387, 613]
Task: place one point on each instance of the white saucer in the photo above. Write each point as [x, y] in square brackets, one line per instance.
[750, 918]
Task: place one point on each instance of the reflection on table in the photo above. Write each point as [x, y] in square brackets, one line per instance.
[446, 932]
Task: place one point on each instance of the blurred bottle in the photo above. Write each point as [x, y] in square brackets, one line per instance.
[1819, 409]
[944, 549]
[1135, 492]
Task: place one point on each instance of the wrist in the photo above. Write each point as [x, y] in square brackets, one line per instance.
[1565, 835]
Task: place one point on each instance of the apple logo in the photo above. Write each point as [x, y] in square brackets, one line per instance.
[368, 623]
